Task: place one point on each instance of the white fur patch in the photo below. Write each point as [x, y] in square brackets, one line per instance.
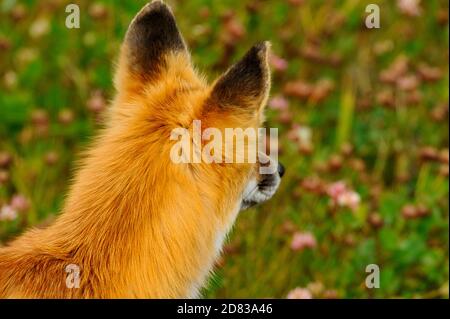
[254, 193]
[220, 238]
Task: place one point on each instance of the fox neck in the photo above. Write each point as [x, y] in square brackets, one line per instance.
[144, 233]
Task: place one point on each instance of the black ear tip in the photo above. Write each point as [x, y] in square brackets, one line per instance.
[261, 48]
[158, 5]
[259, 53]
[151, 35]
[155, 24]
[155, 6]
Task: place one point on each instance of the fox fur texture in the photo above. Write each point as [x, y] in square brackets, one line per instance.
[135, 224]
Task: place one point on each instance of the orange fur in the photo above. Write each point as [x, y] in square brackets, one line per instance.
[137, 225]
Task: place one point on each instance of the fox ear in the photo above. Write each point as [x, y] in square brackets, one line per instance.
[152, 36]
[247, 83]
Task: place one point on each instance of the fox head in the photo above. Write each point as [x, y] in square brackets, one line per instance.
[159, 90]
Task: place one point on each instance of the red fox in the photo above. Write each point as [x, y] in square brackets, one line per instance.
[135, 224]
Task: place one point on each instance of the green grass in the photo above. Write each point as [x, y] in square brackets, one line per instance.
[380, 137]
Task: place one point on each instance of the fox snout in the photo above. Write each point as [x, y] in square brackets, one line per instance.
[261, 188]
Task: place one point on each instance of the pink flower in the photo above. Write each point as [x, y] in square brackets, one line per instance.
[408, 82]
[299, 293]
[300, 134]
[96, 102]
[293, 132]
[349, 199]
[409, 7]
[336, 189]
[279, 102]
[301, 241]
[19, 203]
[305, 135]
[285, 117]
[341, 195]
[7, 213]
[279, 64]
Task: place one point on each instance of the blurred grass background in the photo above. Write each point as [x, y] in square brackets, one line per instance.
[363, 125]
